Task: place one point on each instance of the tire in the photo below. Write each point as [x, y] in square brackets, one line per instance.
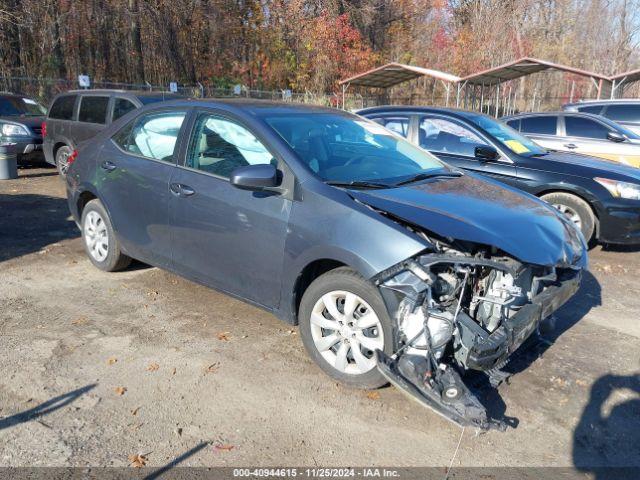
[350, 343]
[99, 239]
[62, 154]
[576, 209]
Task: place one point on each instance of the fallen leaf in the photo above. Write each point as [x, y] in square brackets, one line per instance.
[213, 368]
[173, 372]
[137, 460]
[373, 395]
[224, 336]
[80, 321]
[135, 411]
[582, 383]
[153, 367]
[111, 360]
[225, 448]
[120, 390]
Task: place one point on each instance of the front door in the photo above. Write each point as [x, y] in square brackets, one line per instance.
[455, 144]
[228, 238]
[133, 181]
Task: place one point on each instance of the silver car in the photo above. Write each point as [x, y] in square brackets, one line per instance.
[580, 133]
[624, 111]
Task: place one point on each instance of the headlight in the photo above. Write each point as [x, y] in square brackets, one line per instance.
[618, 189]
[11, 130]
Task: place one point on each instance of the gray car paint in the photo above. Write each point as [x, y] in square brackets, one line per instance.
[251, 245]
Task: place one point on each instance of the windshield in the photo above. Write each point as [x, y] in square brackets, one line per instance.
[20, 107]
[345, 148]
[506, 135]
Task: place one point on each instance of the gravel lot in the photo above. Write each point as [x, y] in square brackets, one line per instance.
[97, 367]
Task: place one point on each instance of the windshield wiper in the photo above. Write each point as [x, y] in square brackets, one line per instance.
[426, 175]
[358, 184]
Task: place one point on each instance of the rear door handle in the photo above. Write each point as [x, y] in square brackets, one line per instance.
[180, 190]
[571, 145]
[108, 166]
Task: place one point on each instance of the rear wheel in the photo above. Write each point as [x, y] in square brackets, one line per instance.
[62, 159]
[100, 241]
[343, 321]
[576, 210]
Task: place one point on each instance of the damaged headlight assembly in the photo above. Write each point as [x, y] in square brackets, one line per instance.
[458, 312]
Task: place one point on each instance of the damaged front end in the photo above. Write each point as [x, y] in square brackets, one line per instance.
[463, 308]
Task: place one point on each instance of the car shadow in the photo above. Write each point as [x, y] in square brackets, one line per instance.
[588, 296]
[606, 441]
[44, 408]
[31, 222]
[34, 170]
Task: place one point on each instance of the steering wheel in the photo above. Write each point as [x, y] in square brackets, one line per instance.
[354, 160]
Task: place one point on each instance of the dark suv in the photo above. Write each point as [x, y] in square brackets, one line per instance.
[21, 123]
[78, 115]
[626, 112]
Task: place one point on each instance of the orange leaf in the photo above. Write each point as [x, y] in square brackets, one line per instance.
[111, 360]
[224, 336]
[153, 367]
[120, 390]
[137, 460]
[373, 395]
[225, 448]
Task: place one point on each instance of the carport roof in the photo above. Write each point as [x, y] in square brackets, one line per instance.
[627, 77]
[394, 73]
[522, 67]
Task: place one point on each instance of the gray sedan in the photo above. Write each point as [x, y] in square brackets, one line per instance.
[580, 133]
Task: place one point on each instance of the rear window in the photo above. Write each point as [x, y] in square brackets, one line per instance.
[121, 107]
[542, 125]
[515, 124]
[62, 107]
[623, 113]
[93, 109]
[595, 109]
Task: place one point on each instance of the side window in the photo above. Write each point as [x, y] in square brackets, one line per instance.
[153, 135]
[399, 125]
[584, 127]
[623, 113]
[444, 136]
[93, 109]
[121, 107]
[62, 108]
[595, 109]
[515, 124]
[219, 146]
[545, 125]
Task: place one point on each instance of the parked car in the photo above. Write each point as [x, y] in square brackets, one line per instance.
[602, 198]
[21, 123]
[626, 112]
[333, 223]
[78, 115]
[580, 133]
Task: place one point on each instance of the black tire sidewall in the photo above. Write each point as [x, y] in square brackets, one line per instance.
[113, 258]
[347, 280]
[580, 207]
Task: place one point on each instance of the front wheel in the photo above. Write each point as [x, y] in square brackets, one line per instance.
[576, 210]
[343, 321]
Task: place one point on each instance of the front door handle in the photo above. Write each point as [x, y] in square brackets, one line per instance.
[570, 145]
[180, 190]
[108, 166]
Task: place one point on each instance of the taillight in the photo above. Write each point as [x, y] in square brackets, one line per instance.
[72, 158]
[44, 129]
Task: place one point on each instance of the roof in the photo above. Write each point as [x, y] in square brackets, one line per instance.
[394, 73]
[630, 76]
[520, 68]
[602, 102]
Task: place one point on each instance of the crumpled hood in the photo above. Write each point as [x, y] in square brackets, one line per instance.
[476, 210]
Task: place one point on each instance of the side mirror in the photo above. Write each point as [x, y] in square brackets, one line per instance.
[255, 177]
[486, 153]
[616, 137]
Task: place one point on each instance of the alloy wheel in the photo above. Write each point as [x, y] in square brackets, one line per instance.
[570, 213]
[346, 331]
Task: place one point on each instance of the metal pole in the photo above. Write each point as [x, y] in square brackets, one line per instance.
[497, 98]
[573, 87]
[482, 98]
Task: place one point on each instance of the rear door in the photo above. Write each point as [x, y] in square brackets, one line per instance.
[93, 113]
[543, 129]
[225, 237]
[455, 142]
[133, 181]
